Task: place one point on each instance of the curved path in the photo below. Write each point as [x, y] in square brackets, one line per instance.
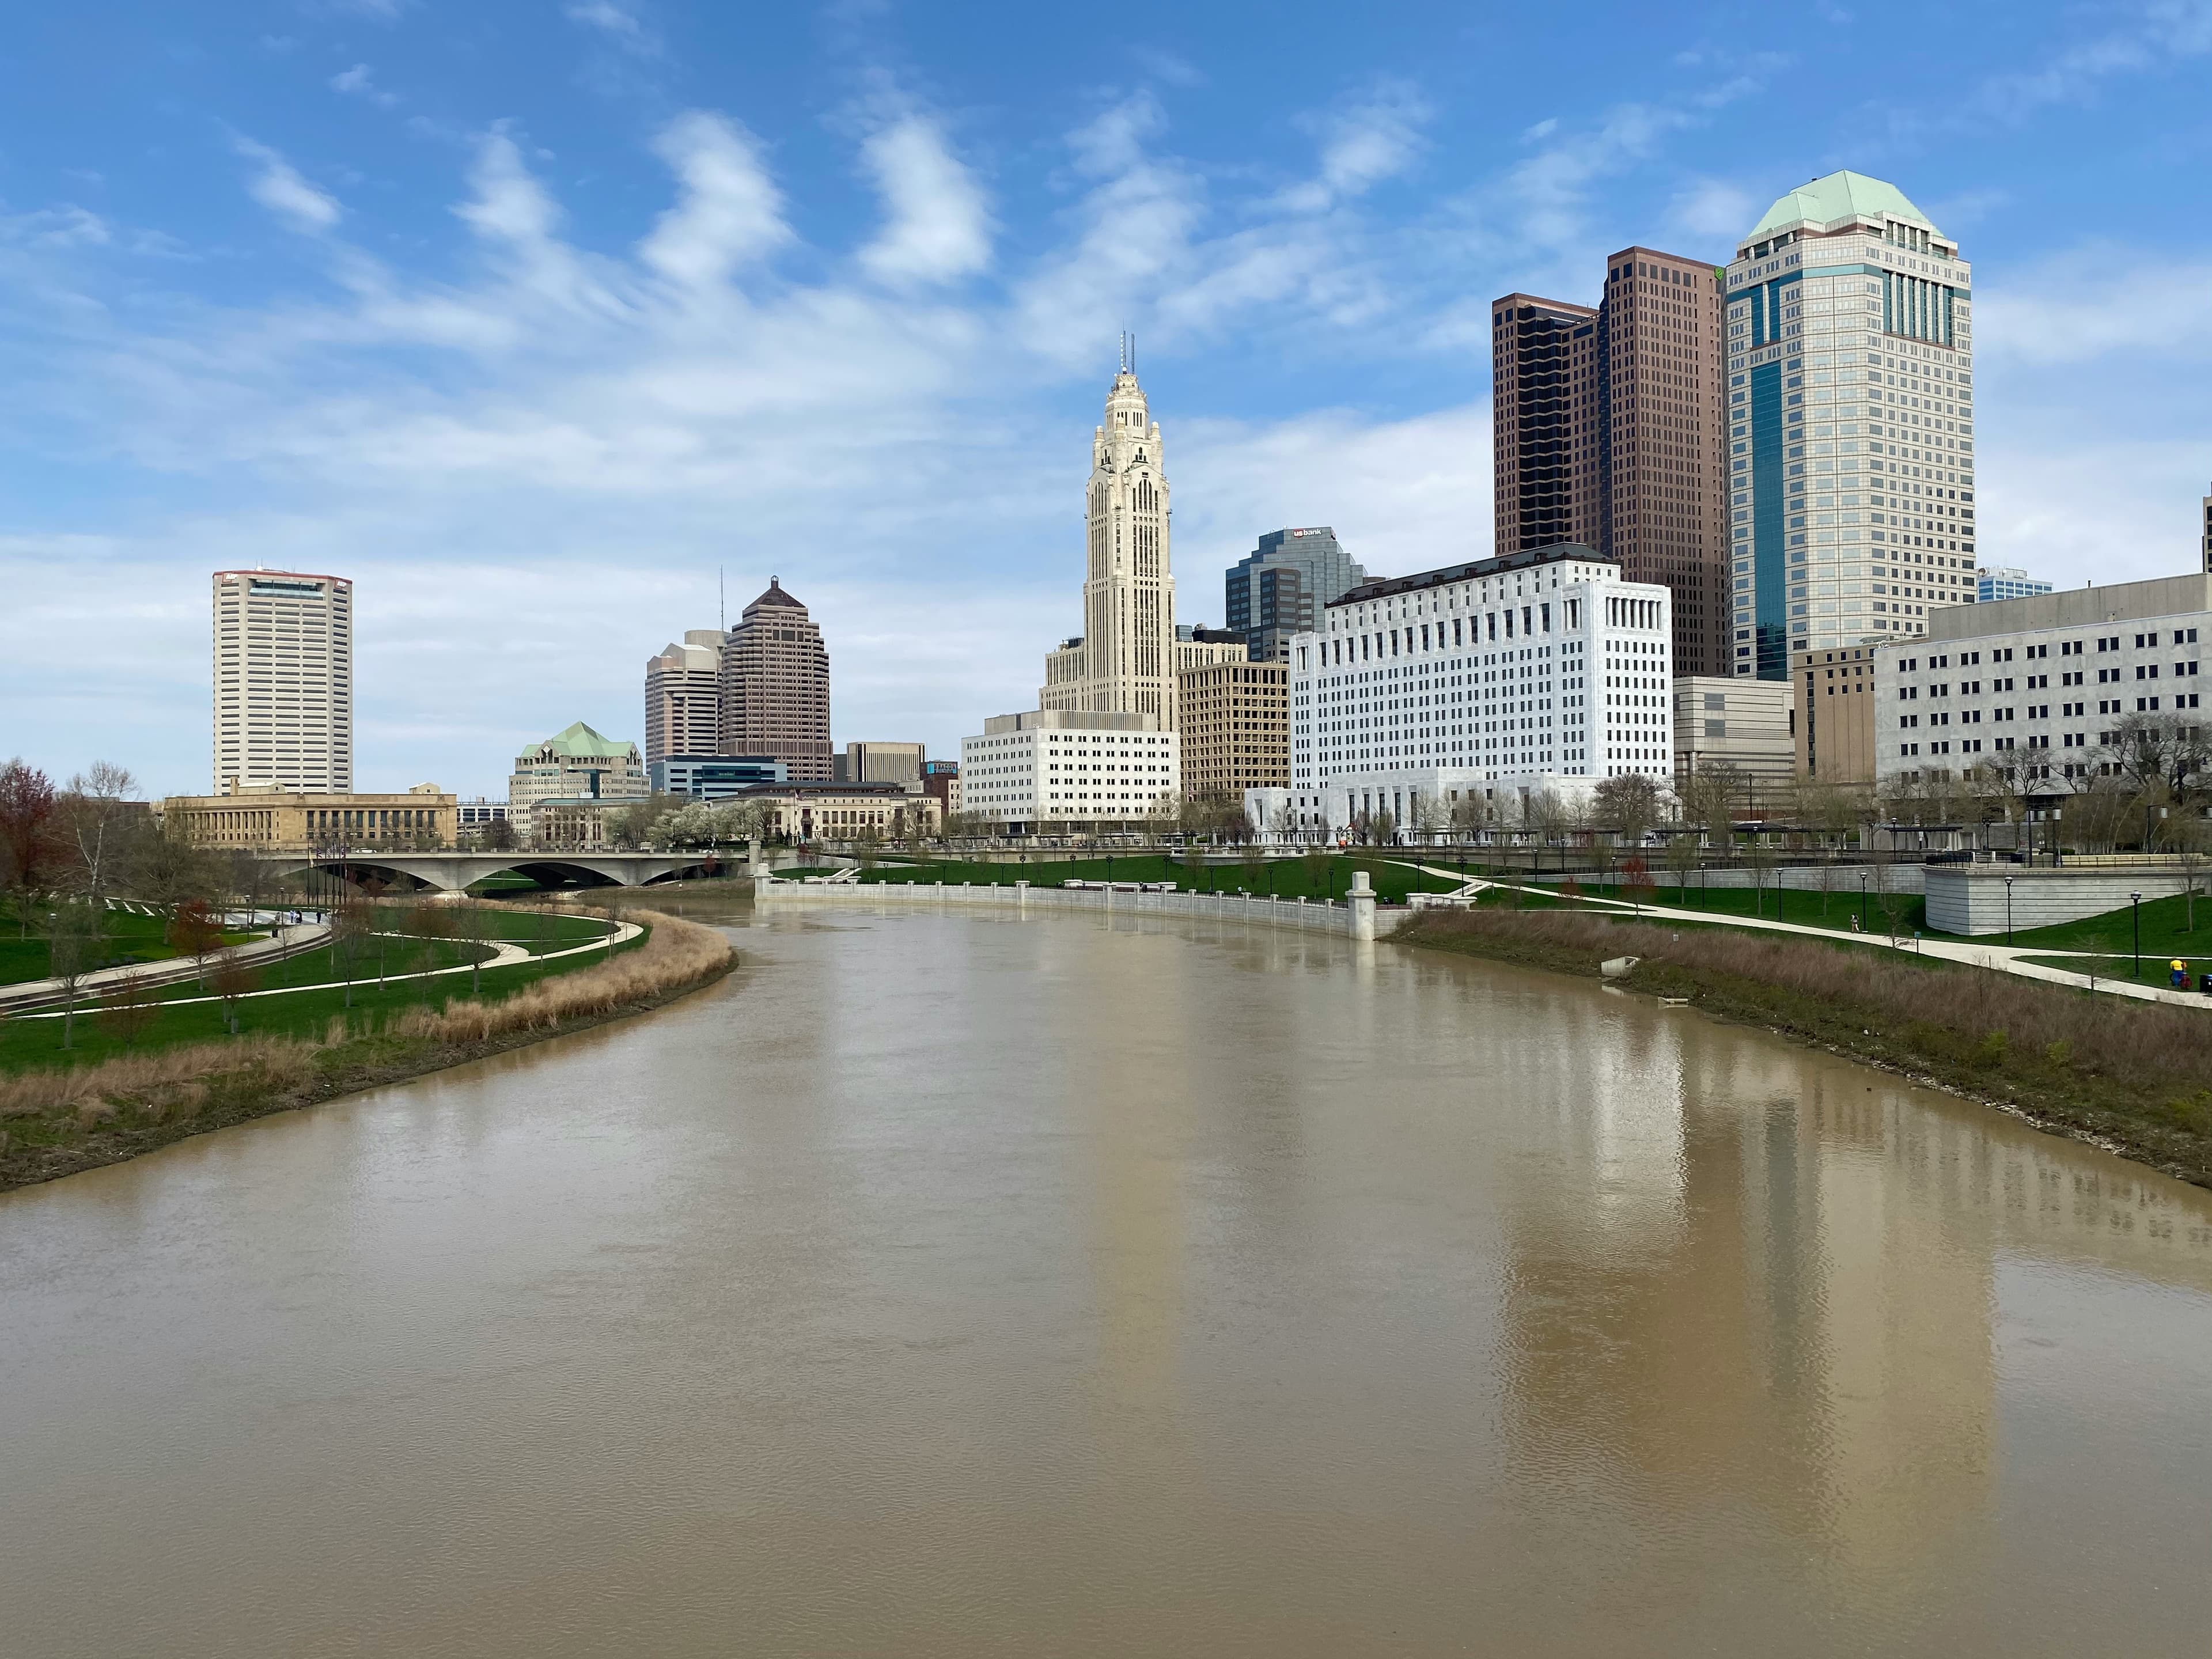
[506, 955]
[2001, 958]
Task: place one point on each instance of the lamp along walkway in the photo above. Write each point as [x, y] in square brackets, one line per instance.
[505, 955]
[1999, 958]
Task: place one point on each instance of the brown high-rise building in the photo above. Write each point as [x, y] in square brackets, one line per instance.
[776, 687]
[1609, 431]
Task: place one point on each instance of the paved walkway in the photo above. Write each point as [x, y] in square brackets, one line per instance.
[506, 955]
[2000, 958]
[291, 941]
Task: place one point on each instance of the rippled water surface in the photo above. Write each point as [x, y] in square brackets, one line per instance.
[944, 1285]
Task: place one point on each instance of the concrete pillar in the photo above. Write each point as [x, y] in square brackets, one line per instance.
[1022, 896]
[1361, 900]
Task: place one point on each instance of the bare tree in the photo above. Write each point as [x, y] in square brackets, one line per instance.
[232, 980]
[1629, 804]
[1432, 816]
[129, 1008]
[195, 931]
[72, 952]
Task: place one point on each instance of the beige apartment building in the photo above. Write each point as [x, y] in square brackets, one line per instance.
[1835, 716]
[776, 687]
[283, 821]
[1236, 726]
[283, 681]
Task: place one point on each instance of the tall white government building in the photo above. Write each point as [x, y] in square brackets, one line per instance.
[1850, 424]
[1507, 681]
[1124, 661]
[284, 682]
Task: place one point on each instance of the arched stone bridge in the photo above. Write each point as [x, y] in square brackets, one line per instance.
[449, 872]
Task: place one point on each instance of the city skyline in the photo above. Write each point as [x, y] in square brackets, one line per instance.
[337, 300]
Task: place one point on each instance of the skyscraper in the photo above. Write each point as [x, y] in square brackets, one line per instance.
[1124, 660]
[284, 682]
[776, 687]
[683, 696]
[1607, 427]
[1279, 588]
[1850, 423]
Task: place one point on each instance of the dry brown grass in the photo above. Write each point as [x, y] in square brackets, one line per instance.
[162, 1084]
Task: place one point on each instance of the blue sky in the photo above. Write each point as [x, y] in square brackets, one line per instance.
[529, 316]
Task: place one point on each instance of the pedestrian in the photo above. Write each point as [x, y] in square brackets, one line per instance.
[2178, 975]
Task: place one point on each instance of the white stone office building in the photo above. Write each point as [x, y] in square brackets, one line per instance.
[284, 682]
[2041, 684]
[1850, 424]
[1124, 660]
[1064, 768]
[1533, 675]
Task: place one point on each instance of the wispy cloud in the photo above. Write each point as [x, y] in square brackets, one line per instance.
[2154, 36]
[619, 24]
[939, 227]
[360, 81]
[278, 186]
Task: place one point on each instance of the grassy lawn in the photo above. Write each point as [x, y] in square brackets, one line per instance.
[31, 1043]
[1323, 875]
[2155, 965]
[129, 938]
[2165, 932]
[1783, 904]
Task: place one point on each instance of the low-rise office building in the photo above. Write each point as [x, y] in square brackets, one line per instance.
[879, 763]
[845, 811]
[941, 778]
[714, 777]
[1511, 683]
[2041, 687]
[1070, 769]
[270, 819]
[1747, 725]
[576, 765]
[1235, 727]
[1835, 714]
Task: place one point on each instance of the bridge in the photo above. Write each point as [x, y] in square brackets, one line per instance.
[449, 872]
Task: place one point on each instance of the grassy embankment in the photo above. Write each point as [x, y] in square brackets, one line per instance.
[55, 1121]
[1314, 876]
[2131, 1076]
[313, 987]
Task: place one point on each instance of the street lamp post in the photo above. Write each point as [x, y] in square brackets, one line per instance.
[1862, 902]
[2008, 909]
[2135, 901]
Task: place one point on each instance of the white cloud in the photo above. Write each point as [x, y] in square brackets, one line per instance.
[621, 25]
[1714, 208]
[939, 227]
[2157, 33]
[729, 214]
[279, 188]
[360, 81]
[1369, 141]
[2093, 303]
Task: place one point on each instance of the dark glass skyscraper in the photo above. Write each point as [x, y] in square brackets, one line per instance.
[1279, 588]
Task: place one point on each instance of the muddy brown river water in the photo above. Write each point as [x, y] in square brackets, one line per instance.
[951, 1285]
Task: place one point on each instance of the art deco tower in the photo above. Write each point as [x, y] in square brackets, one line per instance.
[1124, 661]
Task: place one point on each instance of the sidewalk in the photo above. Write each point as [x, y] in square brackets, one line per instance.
[1999, 958]
[291, 941]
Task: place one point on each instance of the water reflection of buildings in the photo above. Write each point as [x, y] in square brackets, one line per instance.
[1719, 1288]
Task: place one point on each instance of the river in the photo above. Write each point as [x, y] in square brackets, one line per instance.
[952, 1284]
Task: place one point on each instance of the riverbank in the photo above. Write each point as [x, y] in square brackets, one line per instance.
[55, 1123]
[2129, 1076]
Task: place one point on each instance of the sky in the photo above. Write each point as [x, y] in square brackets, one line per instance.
[536, 318]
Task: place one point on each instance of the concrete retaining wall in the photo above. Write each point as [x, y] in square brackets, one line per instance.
[1313, 915]
[1970, 898]
[1844, 878]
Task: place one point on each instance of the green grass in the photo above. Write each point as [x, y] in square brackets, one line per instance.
[2155, 967]
[129, 938]
[2165, 930]
[1327, 877]
[1782, 904]
[24, 1043]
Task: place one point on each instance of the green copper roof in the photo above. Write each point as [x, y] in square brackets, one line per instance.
[1839, 196]
[580, 742]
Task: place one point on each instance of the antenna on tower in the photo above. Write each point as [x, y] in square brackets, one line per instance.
[721, 601]
[1125, 351]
